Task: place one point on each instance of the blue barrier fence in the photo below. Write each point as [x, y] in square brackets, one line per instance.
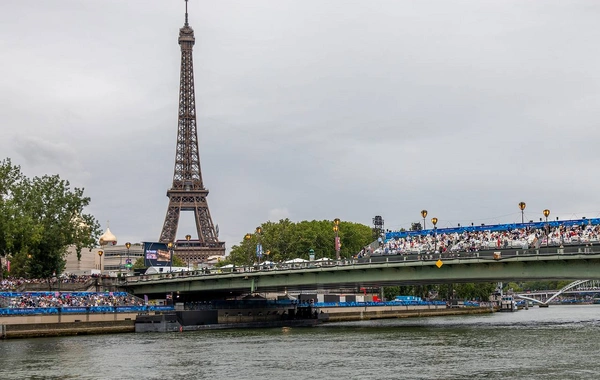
[391, 303]
[84, 310]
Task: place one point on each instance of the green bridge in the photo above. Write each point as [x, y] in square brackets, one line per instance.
[515, 267]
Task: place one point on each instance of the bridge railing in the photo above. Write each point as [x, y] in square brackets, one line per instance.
[487, 254]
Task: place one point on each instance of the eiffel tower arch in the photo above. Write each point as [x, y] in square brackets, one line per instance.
[188, 192]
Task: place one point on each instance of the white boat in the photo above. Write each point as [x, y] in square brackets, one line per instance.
[508, 303]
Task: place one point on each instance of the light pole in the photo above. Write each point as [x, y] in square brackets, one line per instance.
[258, 244]
[128, 261]
[248, 236]
[336, 229]
[434, 221]
[188, 237]
[170, 245]
[424, 215]
[100, 253]
[522, 206]
[546, 213]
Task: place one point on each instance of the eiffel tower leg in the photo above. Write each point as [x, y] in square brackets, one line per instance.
[169, 230]
[204, 225]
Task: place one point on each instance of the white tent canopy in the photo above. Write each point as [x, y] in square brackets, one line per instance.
[295, 261]
[155, 270]
[324, 259]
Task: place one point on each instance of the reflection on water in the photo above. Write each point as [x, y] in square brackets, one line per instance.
[561, 342]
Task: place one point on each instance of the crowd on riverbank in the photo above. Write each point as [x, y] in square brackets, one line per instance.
[11, 300]
[473, 241]
[15, 283]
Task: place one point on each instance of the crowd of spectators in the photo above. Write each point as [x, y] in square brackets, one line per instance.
[15, 283]
[12, 300]
[473, 241]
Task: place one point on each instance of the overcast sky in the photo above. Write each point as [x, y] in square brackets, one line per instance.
[310, 109]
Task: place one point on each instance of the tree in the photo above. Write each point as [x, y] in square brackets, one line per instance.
[39, 219]
[139, 263]
[416, 226]
[287, 240]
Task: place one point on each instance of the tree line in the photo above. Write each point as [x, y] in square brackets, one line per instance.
[40, 218]
[286, 240]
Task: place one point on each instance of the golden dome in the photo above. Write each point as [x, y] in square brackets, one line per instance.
[108, 238]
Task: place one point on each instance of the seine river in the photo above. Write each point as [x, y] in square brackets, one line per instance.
[560, 342]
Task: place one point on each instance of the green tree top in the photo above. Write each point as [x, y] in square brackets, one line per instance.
[40, 218]
[285, 240]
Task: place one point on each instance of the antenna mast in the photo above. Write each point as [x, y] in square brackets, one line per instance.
[186, 15]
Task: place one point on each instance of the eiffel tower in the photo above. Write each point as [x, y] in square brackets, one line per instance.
[188, 192]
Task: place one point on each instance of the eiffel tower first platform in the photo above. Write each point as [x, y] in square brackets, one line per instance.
[188, 192]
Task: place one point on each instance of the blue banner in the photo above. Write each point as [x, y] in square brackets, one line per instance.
[259, 250]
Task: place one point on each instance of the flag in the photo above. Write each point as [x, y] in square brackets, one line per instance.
[7, 266]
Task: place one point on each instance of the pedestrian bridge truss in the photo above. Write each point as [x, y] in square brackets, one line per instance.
[584, 266]
[579, 286]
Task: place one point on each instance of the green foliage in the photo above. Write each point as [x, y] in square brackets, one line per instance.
[416, 226]
[39, 219]
[139, 263]
[285, 240]
[477, 291]
[512, 286]
[177, 262]
[390, 292]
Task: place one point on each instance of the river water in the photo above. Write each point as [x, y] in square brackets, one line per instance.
[560, 342]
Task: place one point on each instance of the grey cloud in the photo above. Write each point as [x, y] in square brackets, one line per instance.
[312, 110]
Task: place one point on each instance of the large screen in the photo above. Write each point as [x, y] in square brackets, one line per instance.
[156, 255]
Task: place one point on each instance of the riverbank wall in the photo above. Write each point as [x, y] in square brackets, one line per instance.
[32, 326]
[347, 314]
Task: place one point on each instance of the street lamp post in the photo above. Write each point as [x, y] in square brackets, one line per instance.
[336, 229]
[424, 215]
[188, 237]
[522, 206]
[434, 221]
[258, 244]
[100, 253]
[248, 236]
[546, 213]
[170, 245]
[128, 261]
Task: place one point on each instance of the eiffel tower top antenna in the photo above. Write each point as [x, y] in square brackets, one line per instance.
[186, 15]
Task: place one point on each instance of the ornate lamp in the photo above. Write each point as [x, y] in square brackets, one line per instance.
[170, 246]
[434, 221]
[100, 253]
[188, 237]
[424, 215]
[522, 206]
[336, 229]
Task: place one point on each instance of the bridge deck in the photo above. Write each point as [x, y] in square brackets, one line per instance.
[582, 263]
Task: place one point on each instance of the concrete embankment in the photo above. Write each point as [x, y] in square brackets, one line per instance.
[83, 324]
[56, 325]
[345, 314]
